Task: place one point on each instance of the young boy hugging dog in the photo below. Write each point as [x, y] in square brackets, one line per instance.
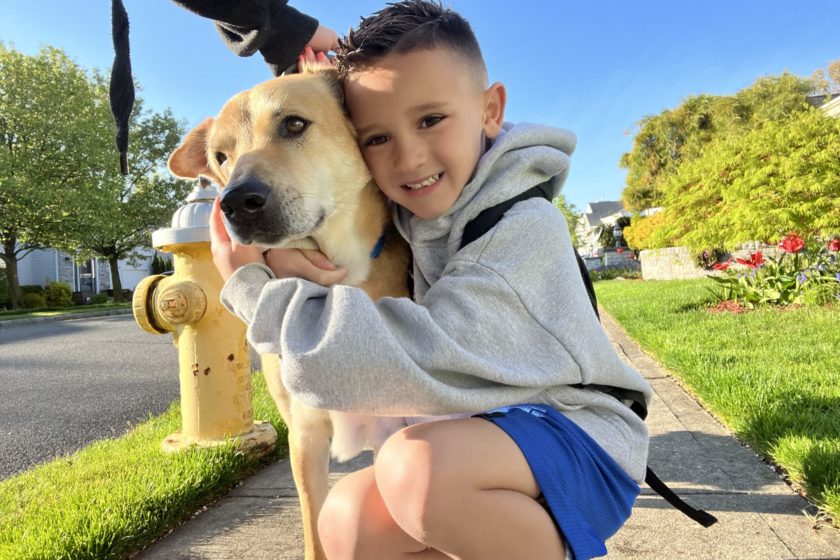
[530, 459]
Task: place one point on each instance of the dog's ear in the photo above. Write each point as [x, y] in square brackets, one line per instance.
[330, 76]
[189, 160]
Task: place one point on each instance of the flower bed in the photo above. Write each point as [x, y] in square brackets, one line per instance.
[798, 275]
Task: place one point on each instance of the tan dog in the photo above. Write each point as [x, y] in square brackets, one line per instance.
[286, 155]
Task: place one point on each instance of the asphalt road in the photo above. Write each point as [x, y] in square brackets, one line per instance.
[64, 384]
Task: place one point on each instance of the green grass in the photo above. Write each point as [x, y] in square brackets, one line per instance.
[116, 496]
[54, 311]
[772, 376]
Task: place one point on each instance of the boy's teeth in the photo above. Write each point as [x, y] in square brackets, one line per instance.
[426, 183]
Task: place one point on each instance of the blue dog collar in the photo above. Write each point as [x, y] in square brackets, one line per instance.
[377, 249]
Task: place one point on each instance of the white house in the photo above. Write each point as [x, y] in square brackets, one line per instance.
[596, 215]
[832, 108]
[88, 277]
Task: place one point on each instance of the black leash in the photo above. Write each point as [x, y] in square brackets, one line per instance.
[122, 84]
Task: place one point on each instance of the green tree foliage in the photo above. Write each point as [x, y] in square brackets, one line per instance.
[46, 119]
[780, 177]
[59, 173]
[570, 212]
[676, 136]
[127, 209]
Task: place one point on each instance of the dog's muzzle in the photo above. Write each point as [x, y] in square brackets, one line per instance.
[244, 204]
[257, 213]
[245, 200]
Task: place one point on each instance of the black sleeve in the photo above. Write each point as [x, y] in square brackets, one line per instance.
[278, 31]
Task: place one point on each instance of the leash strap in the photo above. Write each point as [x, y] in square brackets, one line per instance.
[702, 517]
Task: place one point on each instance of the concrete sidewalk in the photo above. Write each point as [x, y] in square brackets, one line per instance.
[760, 517]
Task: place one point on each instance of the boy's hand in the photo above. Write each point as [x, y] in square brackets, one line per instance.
[303, 263]
[228, 255]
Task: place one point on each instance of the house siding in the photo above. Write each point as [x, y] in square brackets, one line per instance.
[38, 267]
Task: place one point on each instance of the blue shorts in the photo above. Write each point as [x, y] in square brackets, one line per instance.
[586, 492]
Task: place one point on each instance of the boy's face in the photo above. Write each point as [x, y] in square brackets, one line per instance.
[420, 118]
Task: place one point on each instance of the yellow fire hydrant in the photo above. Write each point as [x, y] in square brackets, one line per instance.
[215, 370]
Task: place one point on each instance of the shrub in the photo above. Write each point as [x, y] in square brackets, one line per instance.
[58, 294]
[612, 272]
[707, 258]
[639, 234]
[99, 298]
[4, 290]
[31, 289]
[161, 264]
[33, 300]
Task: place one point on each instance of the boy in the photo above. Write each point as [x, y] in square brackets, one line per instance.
[503, 321]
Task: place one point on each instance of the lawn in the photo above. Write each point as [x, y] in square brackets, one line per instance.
[771, 375]
[116, 496]
[12, 315]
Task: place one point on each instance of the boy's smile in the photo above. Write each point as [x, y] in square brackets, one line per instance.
[420, 118]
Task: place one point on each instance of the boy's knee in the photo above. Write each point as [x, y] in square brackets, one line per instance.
[415, 483]
[339, 519]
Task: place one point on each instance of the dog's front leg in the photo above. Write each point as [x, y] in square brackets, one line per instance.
[309, 454]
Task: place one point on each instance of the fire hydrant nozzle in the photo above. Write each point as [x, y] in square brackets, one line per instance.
[215, 373]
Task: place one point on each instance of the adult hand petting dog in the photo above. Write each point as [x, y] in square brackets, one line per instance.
[312, 59]
[304, 263]
[324, 39]
[228, 255]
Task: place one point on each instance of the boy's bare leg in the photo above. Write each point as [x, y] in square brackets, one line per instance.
[460, 486]
[354, 524]
[464, 487]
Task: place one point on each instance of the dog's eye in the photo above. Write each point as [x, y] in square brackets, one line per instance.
[221, 158]
[292, 126]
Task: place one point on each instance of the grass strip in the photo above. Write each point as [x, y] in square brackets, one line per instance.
[116, 496]
[55, 311]
[771, 375]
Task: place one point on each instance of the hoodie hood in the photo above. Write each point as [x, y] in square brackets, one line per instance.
[521, 156]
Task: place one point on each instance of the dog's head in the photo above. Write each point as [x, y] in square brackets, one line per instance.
[280, 150]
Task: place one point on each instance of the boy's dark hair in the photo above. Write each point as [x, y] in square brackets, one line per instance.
[406, 26]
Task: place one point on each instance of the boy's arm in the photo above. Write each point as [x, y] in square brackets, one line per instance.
[278, 31]
[341, 351]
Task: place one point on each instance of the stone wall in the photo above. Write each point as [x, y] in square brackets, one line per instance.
[671, 263]
[677, 263]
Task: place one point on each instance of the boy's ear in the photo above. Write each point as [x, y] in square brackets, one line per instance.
[495, 98]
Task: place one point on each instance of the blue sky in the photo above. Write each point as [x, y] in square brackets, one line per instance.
[595, 68]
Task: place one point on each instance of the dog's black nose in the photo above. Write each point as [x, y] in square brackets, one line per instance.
[247, 197]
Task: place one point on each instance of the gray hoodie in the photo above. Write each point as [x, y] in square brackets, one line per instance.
[504, 320]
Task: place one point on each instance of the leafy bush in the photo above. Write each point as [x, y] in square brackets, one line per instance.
[613, 272]
[99, 298]
[795, 277]
[781, 177]
[31, 289]
[33, 300]
[4, 290]
[161, 264]
[640, 233]
[58, 294]
[707, 258]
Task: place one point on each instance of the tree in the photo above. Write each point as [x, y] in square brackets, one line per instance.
[676, 136]
[783, 176]
[127, 209]
[47, 119]
[60, 184]
[571, 214]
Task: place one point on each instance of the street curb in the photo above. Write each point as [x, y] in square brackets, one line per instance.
[69, 317]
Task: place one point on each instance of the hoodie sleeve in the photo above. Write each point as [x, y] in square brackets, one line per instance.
[272, 27]
[471, 346]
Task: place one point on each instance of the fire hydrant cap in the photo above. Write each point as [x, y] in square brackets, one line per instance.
[191, 222]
